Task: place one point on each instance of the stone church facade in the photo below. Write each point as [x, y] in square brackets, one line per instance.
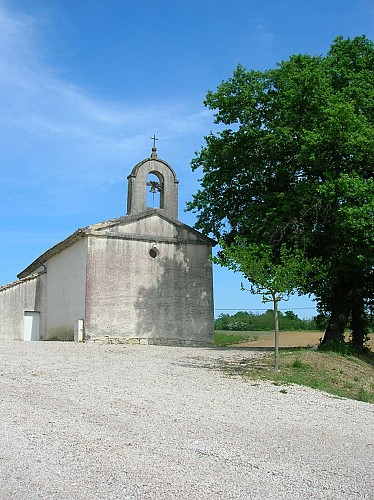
[142, 278]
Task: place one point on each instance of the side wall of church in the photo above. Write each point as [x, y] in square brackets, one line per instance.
[65, 291]
[134, 297]
[17, 298]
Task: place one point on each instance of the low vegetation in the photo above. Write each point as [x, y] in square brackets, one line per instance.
[345, 376]
[223, 338]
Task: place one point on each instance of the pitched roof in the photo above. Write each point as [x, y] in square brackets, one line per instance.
[94, 229]
[20, 281]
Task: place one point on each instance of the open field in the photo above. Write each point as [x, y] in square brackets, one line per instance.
[286, 339]
[89, 421]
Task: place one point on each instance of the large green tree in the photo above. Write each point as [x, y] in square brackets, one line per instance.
[292, 165]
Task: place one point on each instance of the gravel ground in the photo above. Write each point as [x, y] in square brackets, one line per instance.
[107, 422]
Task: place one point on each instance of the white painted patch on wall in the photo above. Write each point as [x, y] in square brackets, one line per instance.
[31, 326]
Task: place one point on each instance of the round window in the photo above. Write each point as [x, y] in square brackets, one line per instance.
[153, 253]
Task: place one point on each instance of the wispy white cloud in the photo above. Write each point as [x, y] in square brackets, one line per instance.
[263, 37]
[58, 134]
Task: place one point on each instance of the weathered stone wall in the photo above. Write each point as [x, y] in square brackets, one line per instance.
[137, 187]
[65, 291]
[152, 225]
[133, 297]
[15, 299]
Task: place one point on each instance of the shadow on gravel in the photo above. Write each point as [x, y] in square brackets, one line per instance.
[236, 365]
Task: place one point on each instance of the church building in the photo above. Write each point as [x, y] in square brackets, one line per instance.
[141, 278]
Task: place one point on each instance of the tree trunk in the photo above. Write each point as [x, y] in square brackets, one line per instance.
[339, 317]
[359, 329]
[276, 346]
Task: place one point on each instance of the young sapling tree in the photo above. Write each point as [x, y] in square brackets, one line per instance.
[274, 281]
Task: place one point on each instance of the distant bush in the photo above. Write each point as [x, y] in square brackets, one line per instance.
[247, 321]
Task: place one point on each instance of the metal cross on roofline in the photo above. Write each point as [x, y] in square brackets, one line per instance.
[154, 138]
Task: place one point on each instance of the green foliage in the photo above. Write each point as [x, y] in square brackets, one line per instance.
[343, 348]
[274, 274]
[290, 174]
[261, 322]
[299, 365]
[343, 376]
[221, 339]
[364, 395]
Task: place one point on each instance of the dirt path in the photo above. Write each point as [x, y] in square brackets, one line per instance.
[286, 339]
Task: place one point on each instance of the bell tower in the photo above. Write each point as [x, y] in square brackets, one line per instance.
[157, 177]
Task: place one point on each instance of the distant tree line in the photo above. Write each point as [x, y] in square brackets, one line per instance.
[243, 321]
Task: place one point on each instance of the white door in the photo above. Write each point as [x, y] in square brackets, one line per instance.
[31, 325]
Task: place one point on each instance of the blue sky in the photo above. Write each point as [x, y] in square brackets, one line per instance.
[85, 84]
